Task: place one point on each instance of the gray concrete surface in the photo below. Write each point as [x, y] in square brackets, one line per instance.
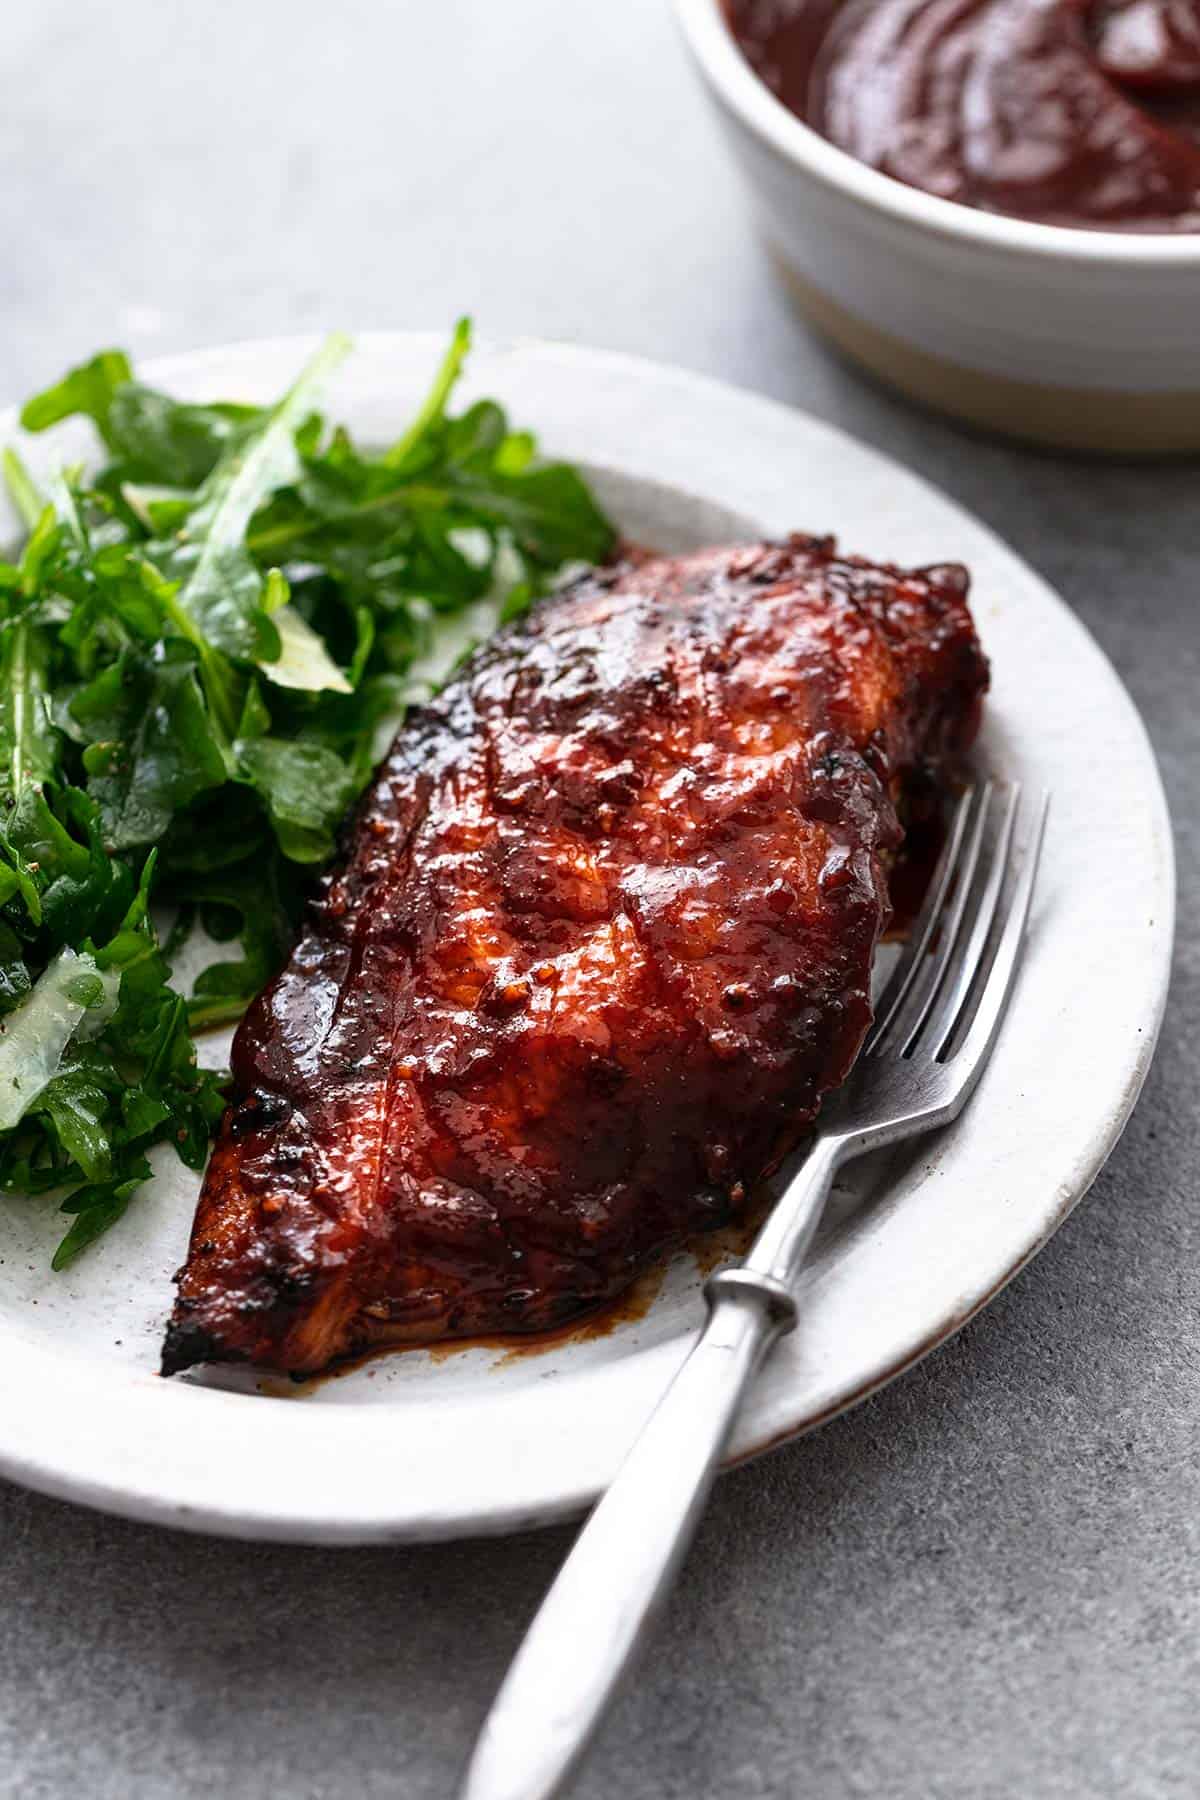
[983, 1583]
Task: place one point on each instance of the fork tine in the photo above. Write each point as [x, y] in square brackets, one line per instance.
[935, 1033]
[929, 970]
[971, 1055]
[919, 937]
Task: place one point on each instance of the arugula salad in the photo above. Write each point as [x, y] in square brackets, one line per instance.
[203, 649]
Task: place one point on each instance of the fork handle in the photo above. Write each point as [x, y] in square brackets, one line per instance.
[602, 1604]
[604, 1599]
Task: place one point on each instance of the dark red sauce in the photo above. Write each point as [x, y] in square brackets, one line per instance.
[1070, 112]
[912, 871]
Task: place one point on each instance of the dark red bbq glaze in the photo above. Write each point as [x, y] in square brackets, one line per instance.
[602, 939]
[1070, 112]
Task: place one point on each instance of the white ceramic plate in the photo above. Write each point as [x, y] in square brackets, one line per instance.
[420, 1446]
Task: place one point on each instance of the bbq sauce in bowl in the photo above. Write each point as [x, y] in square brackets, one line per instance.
[1068, 112]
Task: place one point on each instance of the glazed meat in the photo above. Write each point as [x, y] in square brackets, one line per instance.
[601, 940]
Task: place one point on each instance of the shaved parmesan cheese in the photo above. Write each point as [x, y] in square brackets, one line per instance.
[73, 997]
[303, 662]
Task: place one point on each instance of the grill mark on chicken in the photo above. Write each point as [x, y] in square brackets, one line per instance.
[601, 939]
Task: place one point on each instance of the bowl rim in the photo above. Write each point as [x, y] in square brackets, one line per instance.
[734, 81]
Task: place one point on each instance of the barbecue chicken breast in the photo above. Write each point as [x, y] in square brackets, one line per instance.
[600, 941]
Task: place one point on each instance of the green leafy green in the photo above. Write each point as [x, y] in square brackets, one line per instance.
[174, 446]
[89, 389]
[97, 1207]
[305, 788]
[204, 645]
[151, 748]
[221, 586]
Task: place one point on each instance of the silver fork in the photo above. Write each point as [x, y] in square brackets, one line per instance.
[934, 1031]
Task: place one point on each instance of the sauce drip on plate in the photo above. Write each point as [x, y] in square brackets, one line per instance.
[1069, 112]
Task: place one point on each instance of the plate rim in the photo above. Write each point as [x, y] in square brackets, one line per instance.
[52, 1474]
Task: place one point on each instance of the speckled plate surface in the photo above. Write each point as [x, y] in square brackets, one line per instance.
[420, 1445]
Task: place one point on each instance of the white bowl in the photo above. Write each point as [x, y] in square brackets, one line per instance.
[1089, 339]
